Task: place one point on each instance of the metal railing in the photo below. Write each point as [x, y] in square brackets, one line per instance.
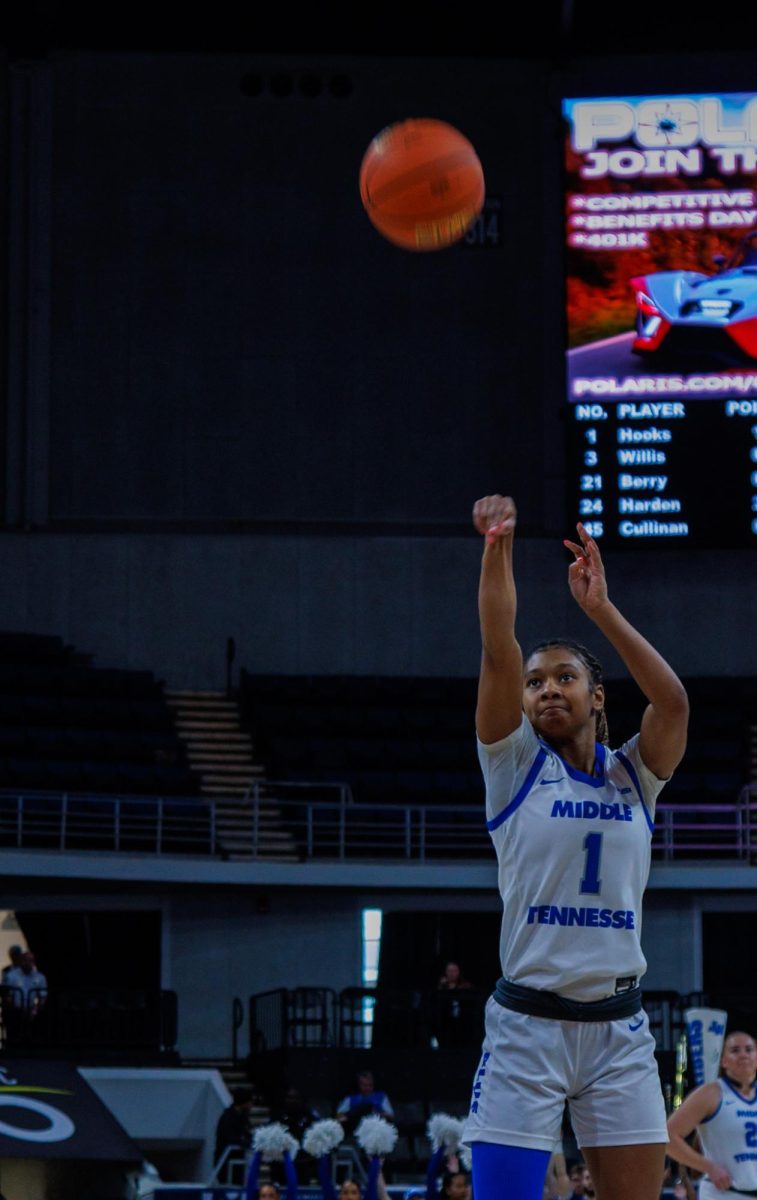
[88, 1018]
[407, 1018]
[302, 1016]
[325, 824]
[33, 819]
[328, 827]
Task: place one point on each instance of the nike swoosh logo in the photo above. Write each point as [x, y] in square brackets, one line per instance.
[546, 781]
[638, 1025]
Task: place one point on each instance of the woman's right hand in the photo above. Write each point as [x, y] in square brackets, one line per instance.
[495, 516]
[718, 1175]
[586, 574]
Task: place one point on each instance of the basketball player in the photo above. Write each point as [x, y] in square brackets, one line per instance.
[571, 822]
[724, 1113]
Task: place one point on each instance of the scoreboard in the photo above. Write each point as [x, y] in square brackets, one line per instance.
[667, 472]
[660, 246]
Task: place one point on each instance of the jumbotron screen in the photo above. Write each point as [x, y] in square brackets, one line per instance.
[661, 318]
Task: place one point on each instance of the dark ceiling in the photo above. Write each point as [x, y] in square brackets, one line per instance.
[557, 30]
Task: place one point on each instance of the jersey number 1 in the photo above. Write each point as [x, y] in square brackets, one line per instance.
[590, 881]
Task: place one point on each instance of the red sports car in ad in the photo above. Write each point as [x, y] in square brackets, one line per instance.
[688, 315]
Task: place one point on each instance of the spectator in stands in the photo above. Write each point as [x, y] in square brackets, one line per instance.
[446, 1176]
[366, 1101]
[349, 1189]
[233, 1129]
[269, 1191]
[451, 1019]
[296, 1115]
[452, 978]
[455, 1181]
[580, 1178]
[27, 999]
[31, 981]
[456, 1185]
[14, 956]
[8, 1015]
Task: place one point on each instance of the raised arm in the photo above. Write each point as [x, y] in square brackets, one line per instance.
[499, 706]
[290, 1172]
[325, 1177]
[701, 1103]
[382, 1192]
[663, 727]
[375, 1179]
[251, 1182]
[433, 1168]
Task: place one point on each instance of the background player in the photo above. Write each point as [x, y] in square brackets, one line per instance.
[724, 1113]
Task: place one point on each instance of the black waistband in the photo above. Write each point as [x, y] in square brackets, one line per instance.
[537, 1003]
[741, 1191]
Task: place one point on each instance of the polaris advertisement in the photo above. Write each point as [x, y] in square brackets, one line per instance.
[660, 245]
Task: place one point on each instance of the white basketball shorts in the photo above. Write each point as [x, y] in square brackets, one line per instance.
[530, 1066]
[708, 1191]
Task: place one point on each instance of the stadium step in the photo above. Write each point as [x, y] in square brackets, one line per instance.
[234, 1075]
[221, 752]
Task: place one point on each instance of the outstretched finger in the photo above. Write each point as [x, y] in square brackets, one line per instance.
[587, 540]
[579, 551]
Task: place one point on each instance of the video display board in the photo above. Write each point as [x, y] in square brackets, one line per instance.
[661, 318]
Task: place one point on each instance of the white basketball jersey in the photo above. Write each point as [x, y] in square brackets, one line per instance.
[574, 854]
[729, 1137]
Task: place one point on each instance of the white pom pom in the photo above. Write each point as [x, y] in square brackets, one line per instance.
[376, 1136]
[272, 1140]
[322, 1137]
[444, 1130]
[466, 1158]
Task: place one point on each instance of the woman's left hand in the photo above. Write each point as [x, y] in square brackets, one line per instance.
[586, 576]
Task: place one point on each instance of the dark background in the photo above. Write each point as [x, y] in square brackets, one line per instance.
[205, 335]
[554, 29]
[230, 341]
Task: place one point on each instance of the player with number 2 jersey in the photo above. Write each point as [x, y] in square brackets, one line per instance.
[724, 1112]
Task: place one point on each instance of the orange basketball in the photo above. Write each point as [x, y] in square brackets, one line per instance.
[422, 184]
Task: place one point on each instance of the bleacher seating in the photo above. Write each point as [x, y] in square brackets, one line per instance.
[716, 764]
[392, 740]
[66, 724]
[411, 740]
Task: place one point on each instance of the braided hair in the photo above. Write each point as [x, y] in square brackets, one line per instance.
[593, 666]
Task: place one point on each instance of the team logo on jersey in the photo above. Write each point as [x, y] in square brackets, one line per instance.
[592, 810]
[592, 918]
